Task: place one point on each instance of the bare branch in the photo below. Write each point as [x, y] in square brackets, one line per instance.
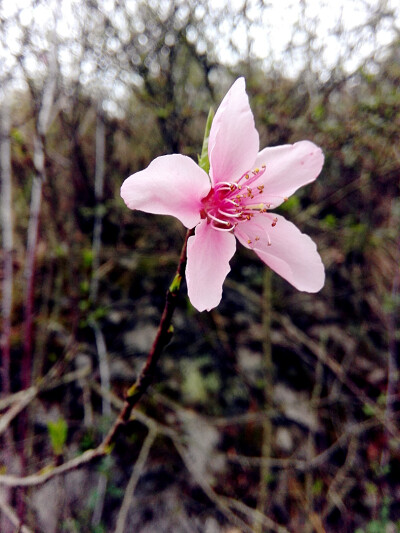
[9, 512]
[6, 419]
[133, 481]
[7, 232]
[134, 394]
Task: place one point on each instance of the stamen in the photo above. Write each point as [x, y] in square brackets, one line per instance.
[226, 186]
[218, 220]
[232, 226]
[256, 173]
[228, 214]
[232, 202]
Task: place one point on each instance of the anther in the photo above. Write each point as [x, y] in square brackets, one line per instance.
[231, 227]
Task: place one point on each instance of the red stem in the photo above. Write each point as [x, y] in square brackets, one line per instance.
[163, 336]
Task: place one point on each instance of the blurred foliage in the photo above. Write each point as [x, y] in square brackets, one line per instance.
[58, 435]
[213, 365]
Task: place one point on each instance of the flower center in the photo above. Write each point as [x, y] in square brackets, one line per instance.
[230, 203]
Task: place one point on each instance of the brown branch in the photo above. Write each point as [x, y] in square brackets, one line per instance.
[7, 235]
[20, 400]
[134, 394]
[163, 336]
[51, 471]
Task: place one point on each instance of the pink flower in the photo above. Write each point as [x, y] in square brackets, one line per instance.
[233, 202]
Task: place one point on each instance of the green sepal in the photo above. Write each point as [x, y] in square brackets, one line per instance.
[176, 284]
[131, 391]
[204, 162]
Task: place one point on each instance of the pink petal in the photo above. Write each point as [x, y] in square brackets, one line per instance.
[288, 167]
[233, 143]
[208, 254]
[170, 185]
[292, 254]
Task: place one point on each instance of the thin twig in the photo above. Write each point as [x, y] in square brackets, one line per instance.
[106, 412]
[98, 190]
[20, 400]
[342, 483]
[7, 234]
[6, 419]
[7, 284]
[266, 444]
[134, 479]
[41, 128]
[255, 515]
[208, 490]
[163, 336]
[310, 464]
[52, 471]
[9, 512]
[393, 369]
[320, 353]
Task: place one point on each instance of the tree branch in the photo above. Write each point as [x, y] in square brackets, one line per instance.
[134, 394]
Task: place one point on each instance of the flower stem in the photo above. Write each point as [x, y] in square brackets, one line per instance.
[163, 336]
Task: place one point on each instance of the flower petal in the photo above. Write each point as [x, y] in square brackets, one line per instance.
[233, 143]
[170, 185]
[208, 254]
[288, 167]
[291, 254]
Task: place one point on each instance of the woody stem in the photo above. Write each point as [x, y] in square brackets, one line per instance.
[163, 337]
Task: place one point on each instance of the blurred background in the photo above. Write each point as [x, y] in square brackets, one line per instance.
[276, 412]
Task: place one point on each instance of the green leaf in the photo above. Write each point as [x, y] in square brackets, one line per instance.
[204, 162]
[87, 257]
[58, 435]
[368, 410]
[317, 487]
